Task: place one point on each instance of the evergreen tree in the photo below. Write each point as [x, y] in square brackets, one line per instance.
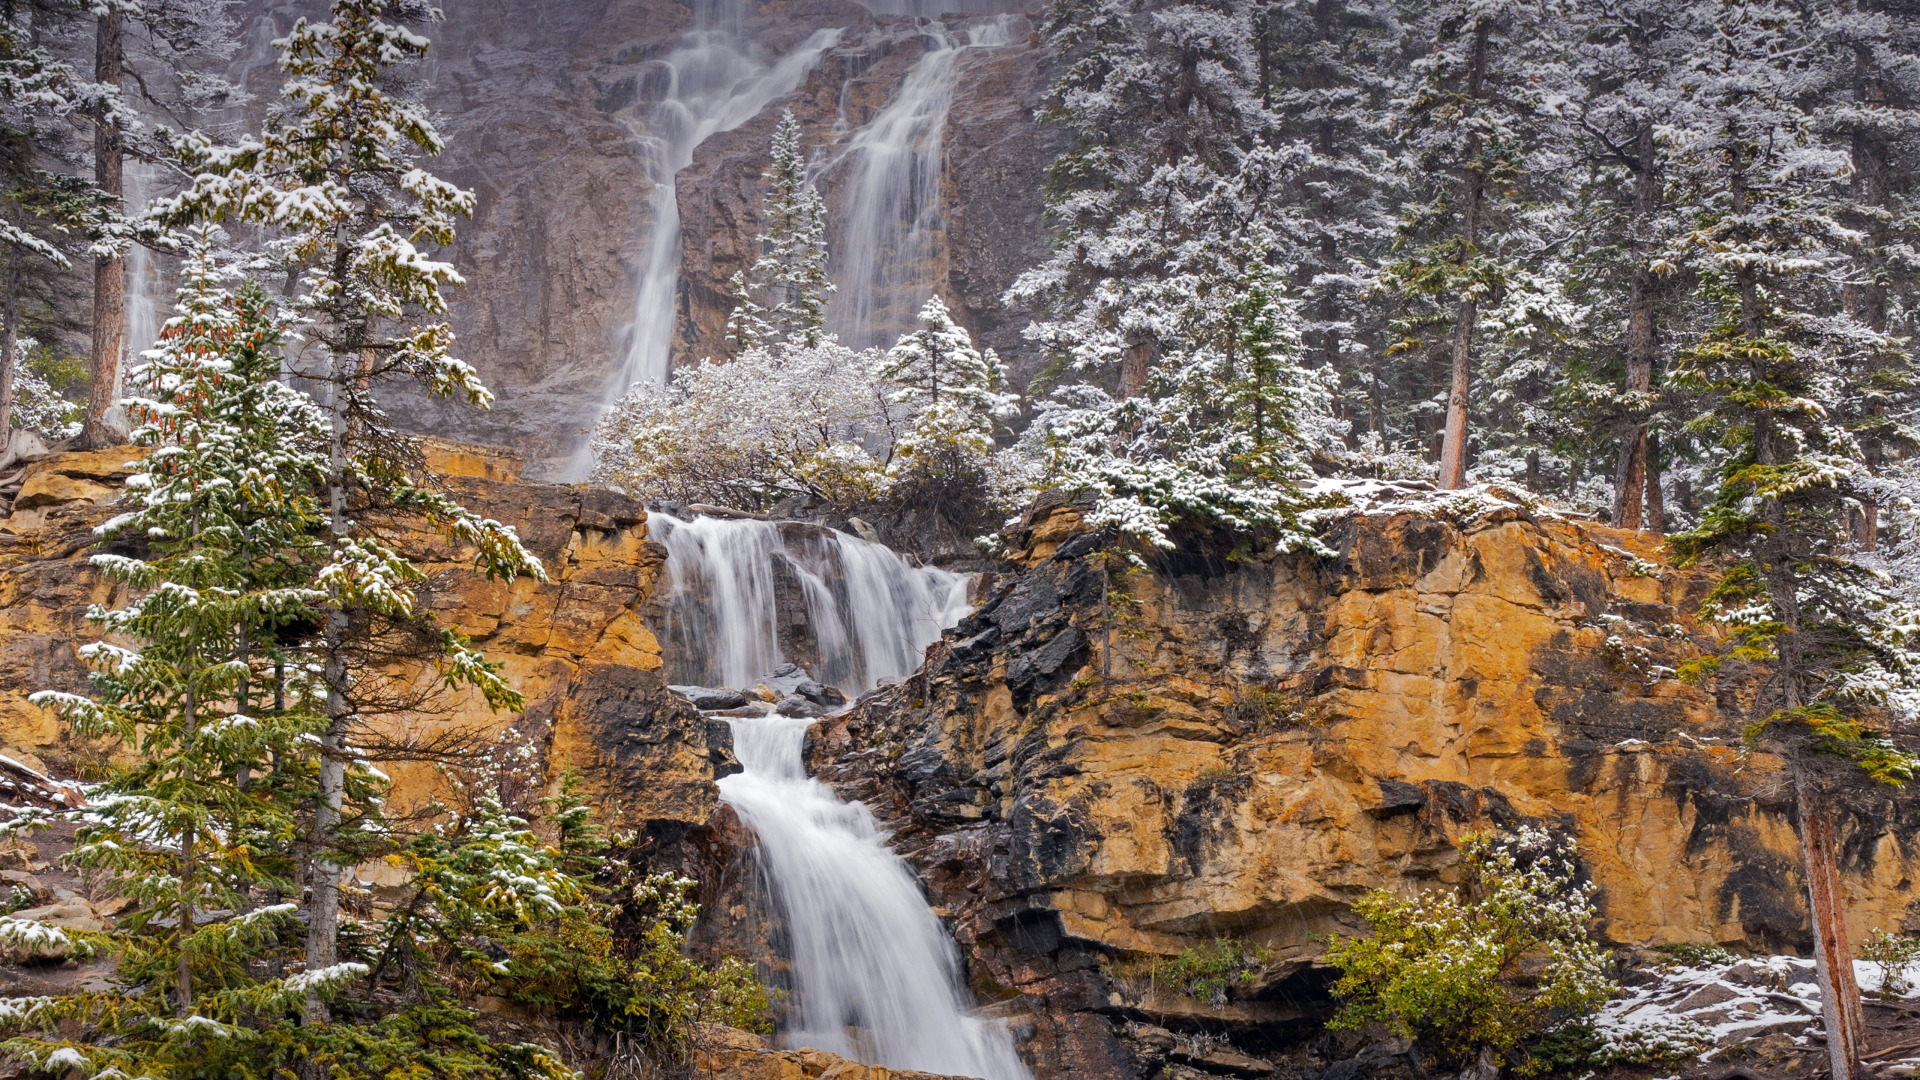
[955, 395]
[334, 173]
[200, 822]
[791, 272]
[1470, 118]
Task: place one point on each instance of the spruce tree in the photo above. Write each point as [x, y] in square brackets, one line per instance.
[791, 273]
[955, 394]
[201, 825]
[335, 175]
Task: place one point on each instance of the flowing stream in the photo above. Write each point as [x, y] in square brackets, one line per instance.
[875, 976]
[894, 218]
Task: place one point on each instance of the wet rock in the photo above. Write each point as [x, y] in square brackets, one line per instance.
[795, 705]
[709, 698]
[789, 680]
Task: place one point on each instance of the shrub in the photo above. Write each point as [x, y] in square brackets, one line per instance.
[1896, 955]
[1495, 965]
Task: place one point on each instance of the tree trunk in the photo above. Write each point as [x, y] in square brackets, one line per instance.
[1832, 957]
[325, 871]
[1630, 487]
[1871, 167]
[9, 345]
[1453, 444]
[109, 274]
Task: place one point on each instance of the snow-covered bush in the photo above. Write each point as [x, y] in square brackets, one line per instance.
[1494, 965]
[772, 422]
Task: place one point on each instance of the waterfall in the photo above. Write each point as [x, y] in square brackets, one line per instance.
[871, 614]
[714, 82]
[141, 319]
[894, 218]
[875, 976]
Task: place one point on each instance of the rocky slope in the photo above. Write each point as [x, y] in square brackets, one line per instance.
[1102, 766]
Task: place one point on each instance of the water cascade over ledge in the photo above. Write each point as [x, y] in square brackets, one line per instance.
[875, 976]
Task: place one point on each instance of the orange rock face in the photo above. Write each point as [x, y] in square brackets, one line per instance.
[577, 646]
[1109, 762]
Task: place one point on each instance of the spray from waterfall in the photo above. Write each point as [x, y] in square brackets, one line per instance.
[894, 218]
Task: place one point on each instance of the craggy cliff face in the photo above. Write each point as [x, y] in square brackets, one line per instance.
[1102, 763]
[577, 646]
[543, 105]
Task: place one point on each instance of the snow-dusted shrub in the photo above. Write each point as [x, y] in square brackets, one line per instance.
[1494, 965]
[772, 422]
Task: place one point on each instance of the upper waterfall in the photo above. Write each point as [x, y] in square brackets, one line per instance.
[894, 219]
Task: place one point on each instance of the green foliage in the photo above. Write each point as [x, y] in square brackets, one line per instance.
[1216, 971]
[1835, 733]
[1896, 955]
[1496, 964]
[502, 911]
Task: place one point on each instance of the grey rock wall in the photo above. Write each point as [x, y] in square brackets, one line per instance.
[540, 101]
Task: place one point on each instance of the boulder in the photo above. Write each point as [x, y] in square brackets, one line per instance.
[710, 698]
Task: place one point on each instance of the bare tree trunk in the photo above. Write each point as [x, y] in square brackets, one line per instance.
[1832, 956]
[323, 904]
[1453, 444]
[109, 274]
[9, 345]
[1136, 367]
[1630, 488]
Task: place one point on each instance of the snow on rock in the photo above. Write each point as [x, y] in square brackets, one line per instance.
[1705, 1007]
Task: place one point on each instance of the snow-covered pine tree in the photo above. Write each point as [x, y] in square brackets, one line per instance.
[38, 202]
[204, 817]
[1627, 68]
[1871, 100]
[955, 394]
[1221, 435]
[1164, 109]
[790, 276]
[1330, 69]
[1760, 187]
[335, 173]
[1469, 118]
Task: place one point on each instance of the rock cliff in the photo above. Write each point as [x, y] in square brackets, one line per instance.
[1103, 765]
[542, 108]
[577, 646]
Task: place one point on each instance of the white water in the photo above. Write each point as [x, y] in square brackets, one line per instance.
[894, 218]
[872, 613]
[716, 80]
[875, 976]
[141, 320]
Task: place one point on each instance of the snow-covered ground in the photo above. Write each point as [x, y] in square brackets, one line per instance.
[1683, 1009]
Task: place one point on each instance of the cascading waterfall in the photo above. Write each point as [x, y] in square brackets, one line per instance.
[714, 80]
[894, 217]
[871, 613]
[875, 976]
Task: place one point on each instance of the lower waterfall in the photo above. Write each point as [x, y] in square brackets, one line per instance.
[875, 976]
